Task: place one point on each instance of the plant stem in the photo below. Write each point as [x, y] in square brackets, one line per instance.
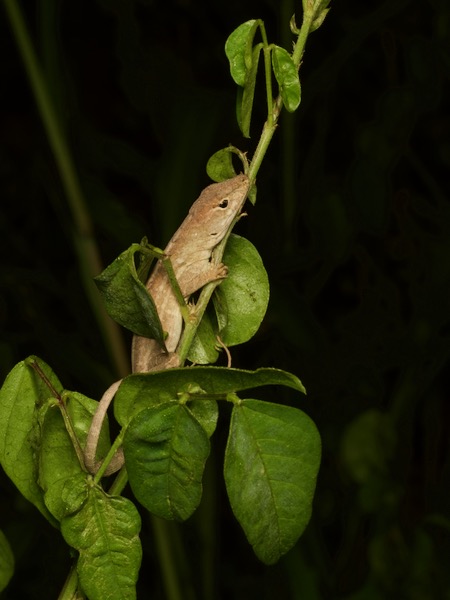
[271, 124]
[268, 131]
[193, 322]
[70, 589]
[84, 241]
[170, 573]
[299, 47]
[268, 73]
[265, 139]
[111, 454]
[119, 483]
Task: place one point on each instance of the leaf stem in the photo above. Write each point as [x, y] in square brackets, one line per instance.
[299, 47]
[70, 429]
[70, 588]
[268, 73]
[170, 573]
[119, 483]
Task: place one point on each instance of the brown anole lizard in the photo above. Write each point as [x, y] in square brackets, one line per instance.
[190, 253]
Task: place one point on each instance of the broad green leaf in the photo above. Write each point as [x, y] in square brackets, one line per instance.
[105, 531]
[238, 49]
[6, 561]
[126, 297]
[271, 464]
[165, 451]
[143, 390]
[24, 398]
[242, 298]
[286, 74]
[240, 302]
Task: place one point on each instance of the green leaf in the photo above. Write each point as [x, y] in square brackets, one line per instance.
[143, 390]
[206, 414]
[286, 74]
[165, 451]
[293, 25]
[240, 303]
[6, 561]
[241, 299]
[238, 49]
[271, 464]
[220, 166]
[315, 11]
[60, 471]
[24, 398]
[319, 19]
[126, 297]
[243, 59]
[203, 348]
[61, 475]
[105, 531]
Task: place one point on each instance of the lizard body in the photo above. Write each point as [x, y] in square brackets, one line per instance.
[190, 251]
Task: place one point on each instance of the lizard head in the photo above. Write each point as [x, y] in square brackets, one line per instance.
[218, 205]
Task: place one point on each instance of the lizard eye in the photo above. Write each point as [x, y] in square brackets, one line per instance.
[223, 203]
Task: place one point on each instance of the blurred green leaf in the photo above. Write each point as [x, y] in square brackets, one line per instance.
[368, 445]
[6, 561]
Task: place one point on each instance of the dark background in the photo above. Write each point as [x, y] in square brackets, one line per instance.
[352, 221]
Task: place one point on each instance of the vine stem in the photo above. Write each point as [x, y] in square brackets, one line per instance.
[268, 73]
[85, 244]
[270, 125]
[267, 133]
[70, 589]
